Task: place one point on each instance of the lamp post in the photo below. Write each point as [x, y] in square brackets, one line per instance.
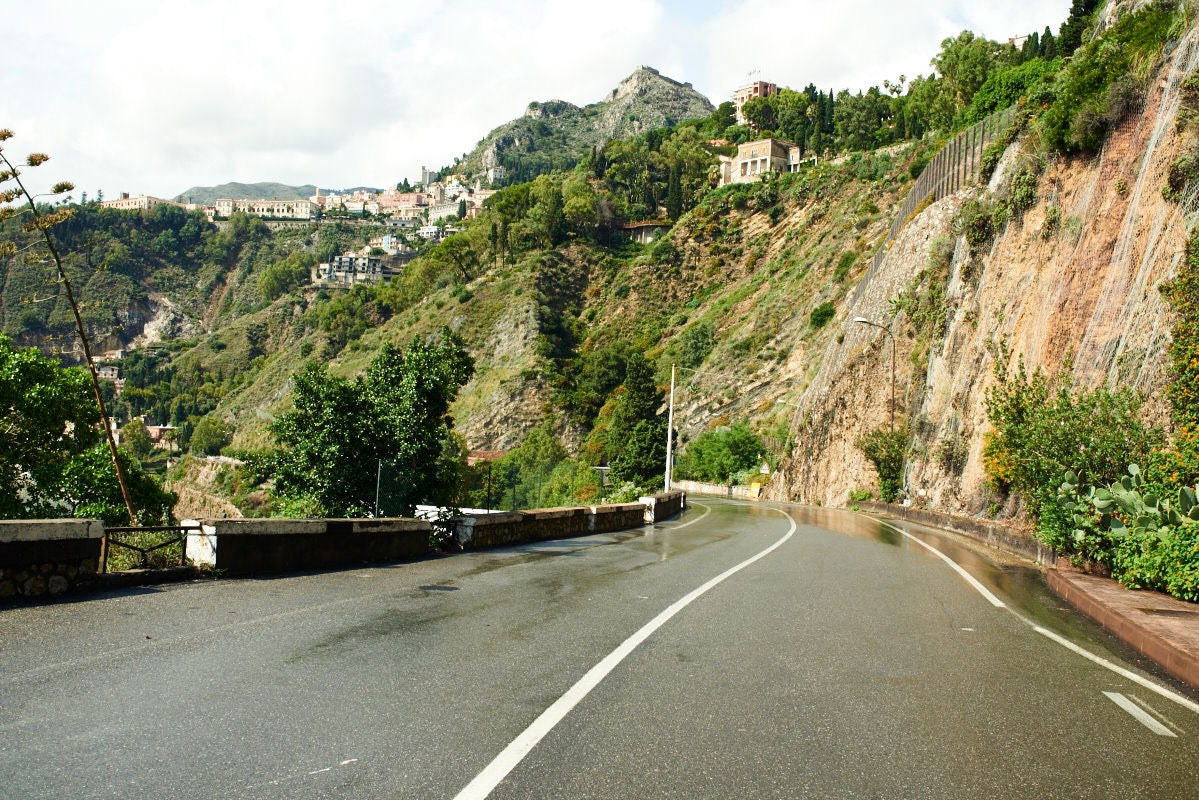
[669, 474]
[884, 329]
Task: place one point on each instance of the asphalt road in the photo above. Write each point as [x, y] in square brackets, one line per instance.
[846, 662]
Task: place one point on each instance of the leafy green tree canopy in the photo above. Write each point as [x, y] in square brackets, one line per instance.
[397, 411]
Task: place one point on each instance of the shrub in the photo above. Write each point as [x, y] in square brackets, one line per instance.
[1043, 430]
[844, 265]
[886, 450]
[1147, 542]
[974, 222]
[1091, 88]
[822, 313]
[722, 455]
[776, 213]
[1053, 221]
[1023, 192]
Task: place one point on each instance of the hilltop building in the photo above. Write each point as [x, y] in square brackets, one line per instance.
[267, 209]
[496, 175]
[140, 203]
[749, 92]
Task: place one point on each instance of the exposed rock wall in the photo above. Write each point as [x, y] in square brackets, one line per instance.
[1082, 295]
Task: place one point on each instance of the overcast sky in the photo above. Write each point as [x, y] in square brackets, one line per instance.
[156, 97]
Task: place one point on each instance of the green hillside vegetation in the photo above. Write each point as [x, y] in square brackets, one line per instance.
[555, 135]
[573, 328]
[246, 191]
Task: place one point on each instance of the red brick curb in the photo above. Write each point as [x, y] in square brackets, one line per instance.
[1156, 625]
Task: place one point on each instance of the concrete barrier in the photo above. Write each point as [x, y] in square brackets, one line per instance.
[47, 556]
[240, 546]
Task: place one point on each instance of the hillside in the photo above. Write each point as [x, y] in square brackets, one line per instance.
[246, 191]
[554, 134]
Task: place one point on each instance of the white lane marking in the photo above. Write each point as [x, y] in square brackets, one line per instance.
[1139, 714]
[1159, 716]
[707, 511]
[319, 771]
[1103, 662]
[486, 781]
[1116, 668]
[970, 579]
[347, 761]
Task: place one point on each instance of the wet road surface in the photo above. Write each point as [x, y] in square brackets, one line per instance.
[847, 662]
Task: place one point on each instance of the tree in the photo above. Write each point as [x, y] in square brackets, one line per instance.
[397, 411]
[636, 439]
[462, 208]
[674, 192]
[137, 439]
[210, 435]
[87, 486]
[47, 419]
[965, 62]
[43, 223]
[719, 455]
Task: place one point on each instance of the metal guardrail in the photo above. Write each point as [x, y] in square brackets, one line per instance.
[180, 539]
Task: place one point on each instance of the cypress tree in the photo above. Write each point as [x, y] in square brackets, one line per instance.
[1048, 45]
[674, 191]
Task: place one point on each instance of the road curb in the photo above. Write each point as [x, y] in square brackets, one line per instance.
[993, 534]
[1150, 622]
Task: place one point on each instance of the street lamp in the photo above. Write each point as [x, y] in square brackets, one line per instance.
[670, 427]
[883, 328]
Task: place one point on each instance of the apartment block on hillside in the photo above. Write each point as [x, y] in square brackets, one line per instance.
[268, 209]
[749, 92]
[142, 202]
[757, 158]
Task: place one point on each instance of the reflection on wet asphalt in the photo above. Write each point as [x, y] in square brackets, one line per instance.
[848, 663]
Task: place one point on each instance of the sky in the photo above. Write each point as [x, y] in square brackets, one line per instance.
[155, 97]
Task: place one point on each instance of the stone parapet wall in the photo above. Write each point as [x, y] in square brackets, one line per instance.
[241, 546]
[616, 517]
[664, 505]
[47, 556]
[716, 489]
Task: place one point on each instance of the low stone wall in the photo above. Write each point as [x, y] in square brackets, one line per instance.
[615, 517]
[47, 556]
[995, 534]
[515, 527]
[664, 505]
[716, 489]
[240, 546]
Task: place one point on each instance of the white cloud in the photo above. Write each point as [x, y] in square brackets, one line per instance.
[155, 97]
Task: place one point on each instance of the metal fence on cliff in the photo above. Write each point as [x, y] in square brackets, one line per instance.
[954, 165]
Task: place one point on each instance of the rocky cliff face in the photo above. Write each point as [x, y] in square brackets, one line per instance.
[557, 132]
[1072, 285]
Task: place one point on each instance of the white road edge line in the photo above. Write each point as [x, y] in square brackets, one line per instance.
[1069, 645]
[970, 579]
[1139, 714]
[1116, 668]
[486, 781]
[707, 510]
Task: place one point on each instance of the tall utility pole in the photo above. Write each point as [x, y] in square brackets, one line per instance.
[885, 330]
[670, 433]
